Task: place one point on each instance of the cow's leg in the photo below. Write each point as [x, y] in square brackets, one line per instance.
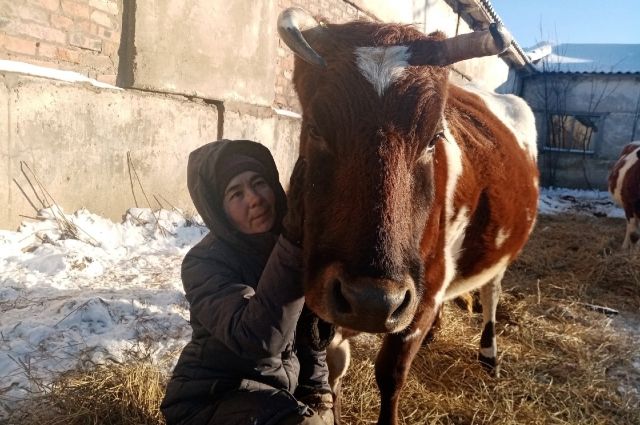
[435, 328]
[489, 296]
[394, 361]
[633, 232]
[338, 359]
[626, 244]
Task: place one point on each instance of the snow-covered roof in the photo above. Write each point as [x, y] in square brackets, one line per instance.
[586, 58]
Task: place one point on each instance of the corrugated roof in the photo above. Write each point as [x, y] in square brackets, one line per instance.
[496, 18]
[479, 14]
[589, 58]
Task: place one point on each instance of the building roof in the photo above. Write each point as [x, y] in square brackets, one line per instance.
[479, 14]
[586, 58]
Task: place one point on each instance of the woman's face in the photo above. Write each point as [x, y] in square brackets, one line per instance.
[249, 203]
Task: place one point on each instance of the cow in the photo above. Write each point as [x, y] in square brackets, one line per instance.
[417, 190]
[624, 186]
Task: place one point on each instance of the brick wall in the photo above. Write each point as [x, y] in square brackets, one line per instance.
[336, 11]
[78, 35]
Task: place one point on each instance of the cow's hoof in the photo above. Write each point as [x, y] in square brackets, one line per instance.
[490, 364]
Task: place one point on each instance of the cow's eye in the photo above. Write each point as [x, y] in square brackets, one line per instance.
[436, 137]
[313, 132]
[317, 140]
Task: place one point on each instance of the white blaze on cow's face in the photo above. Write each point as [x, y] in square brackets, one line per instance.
[381, 66]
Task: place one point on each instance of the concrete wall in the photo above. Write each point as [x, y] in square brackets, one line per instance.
[389, 11]
[76, 140]
[221, 50]
[277, 130]
[613, 96]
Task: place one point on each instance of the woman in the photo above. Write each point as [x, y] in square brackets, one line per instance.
[243, 364]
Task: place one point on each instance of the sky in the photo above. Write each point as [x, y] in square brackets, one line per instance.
[571, 21]
[106, 289]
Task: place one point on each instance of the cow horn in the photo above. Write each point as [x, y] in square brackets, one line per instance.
[476, 44]
[291, 23]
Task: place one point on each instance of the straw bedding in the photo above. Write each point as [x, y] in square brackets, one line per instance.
[563, 360]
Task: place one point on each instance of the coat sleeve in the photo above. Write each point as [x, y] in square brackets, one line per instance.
[314, 373]
[252, 323]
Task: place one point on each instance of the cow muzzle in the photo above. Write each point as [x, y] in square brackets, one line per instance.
[375, 305]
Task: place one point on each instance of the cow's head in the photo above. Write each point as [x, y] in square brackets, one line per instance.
[372, 97]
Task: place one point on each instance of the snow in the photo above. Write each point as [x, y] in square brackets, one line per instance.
[89, 293]
[78, 289]
[51, 73]
[598, 203]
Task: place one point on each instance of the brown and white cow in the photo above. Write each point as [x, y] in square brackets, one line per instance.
[417, 190]
[624, 186]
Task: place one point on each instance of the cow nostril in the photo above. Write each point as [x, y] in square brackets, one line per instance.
[342, 305]
[402, 307]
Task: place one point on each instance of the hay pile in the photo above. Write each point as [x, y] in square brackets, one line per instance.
[114, 394]
[561, 361]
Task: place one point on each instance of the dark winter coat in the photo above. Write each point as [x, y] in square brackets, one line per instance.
[245, 296]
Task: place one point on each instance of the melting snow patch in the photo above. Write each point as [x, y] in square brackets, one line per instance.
[79, 287]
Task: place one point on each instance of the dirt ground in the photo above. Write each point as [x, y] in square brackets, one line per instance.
[568, 339]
